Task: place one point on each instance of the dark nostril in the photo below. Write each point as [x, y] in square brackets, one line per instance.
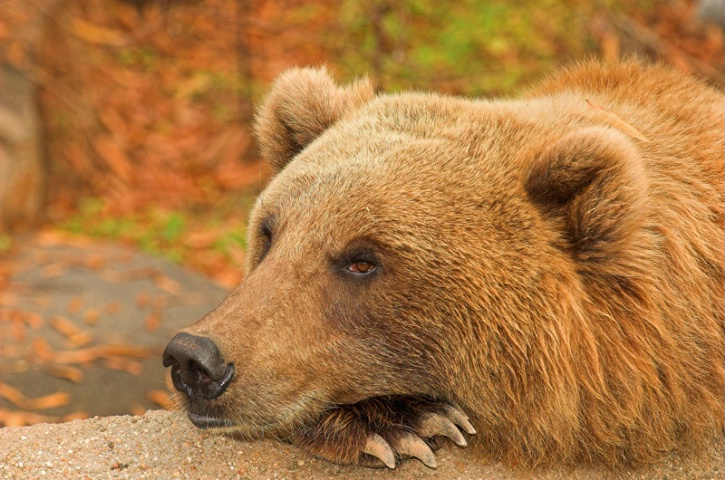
[193, 354]
[197, 366]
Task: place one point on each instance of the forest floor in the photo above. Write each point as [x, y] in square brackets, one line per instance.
[83, 325]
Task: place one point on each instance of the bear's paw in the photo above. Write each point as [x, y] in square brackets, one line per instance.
[381, 432]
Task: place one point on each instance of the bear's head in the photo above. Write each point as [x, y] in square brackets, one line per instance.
[412, 246]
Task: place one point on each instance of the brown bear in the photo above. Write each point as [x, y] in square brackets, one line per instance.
[552, 266]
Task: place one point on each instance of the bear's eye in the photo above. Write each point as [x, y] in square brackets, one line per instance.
[361, 267]
[266, 244]
[266, 234]
[359, 263]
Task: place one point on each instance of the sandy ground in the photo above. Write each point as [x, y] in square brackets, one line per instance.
[164, 445]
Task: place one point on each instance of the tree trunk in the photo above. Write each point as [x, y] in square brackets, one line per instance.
[22, 172]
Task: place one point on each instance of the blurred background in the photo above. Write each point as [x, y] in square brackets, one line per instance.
[127, 167]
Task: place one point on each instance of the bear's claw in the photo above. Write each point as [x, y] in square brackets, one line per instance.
[456, 415]
[412, 446]
[401, 442]
[433, 424]
[376, 446]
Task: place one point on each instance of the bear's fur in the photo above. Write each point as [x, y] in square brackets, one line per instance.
[553, 265]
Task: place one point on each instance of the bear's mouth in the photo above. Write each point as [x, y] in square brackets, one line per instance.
[209, 422]
[425, 416]
[252, 423]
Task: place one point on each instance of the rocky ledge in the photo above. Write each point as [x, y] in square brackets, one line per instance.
[164, 445]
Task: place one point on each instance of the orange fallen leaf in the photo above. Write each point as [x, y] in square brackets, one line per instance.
[111, 150]
[95, 261]
[6, 419]
[92, 33]
[227, 279]
[53, 400]
[138, 410]
[201, 239]
[15, 397]
[79, 415]
[75, 305]
[91, 316]
[160, 398]
[120, 364]
[42, 350]
[14, 418]
[79, 339]
[11, 394]
[7, 299]
[119, 350]
[70, 330]
[152, 321]
[63, 326]
[143, 300]
[9, 350]
[167, 284]
[34, 320]
[65, 372]
[58, 237]
[86, 355]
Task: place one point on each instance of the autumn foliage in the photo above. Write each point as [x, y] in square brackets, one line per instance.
[149, 102]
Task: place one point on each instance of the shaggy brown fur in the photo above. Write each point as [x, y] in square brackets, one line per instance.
[552, 264]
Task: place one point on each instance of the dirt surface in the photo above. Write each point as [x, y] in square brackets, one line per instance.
[164, 445]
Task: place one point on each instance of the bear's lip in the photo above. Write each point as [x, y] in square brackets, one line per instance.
[205, 422]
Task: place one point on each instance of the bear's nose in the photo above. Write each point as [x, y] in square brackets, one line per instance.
[197, 366]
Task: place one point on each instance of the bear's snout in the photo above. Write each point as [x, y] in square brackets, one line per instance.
[197, 367]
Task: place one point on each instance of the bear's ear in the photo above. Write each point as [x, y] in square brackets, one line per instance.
[303, 103]
[591, 183]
